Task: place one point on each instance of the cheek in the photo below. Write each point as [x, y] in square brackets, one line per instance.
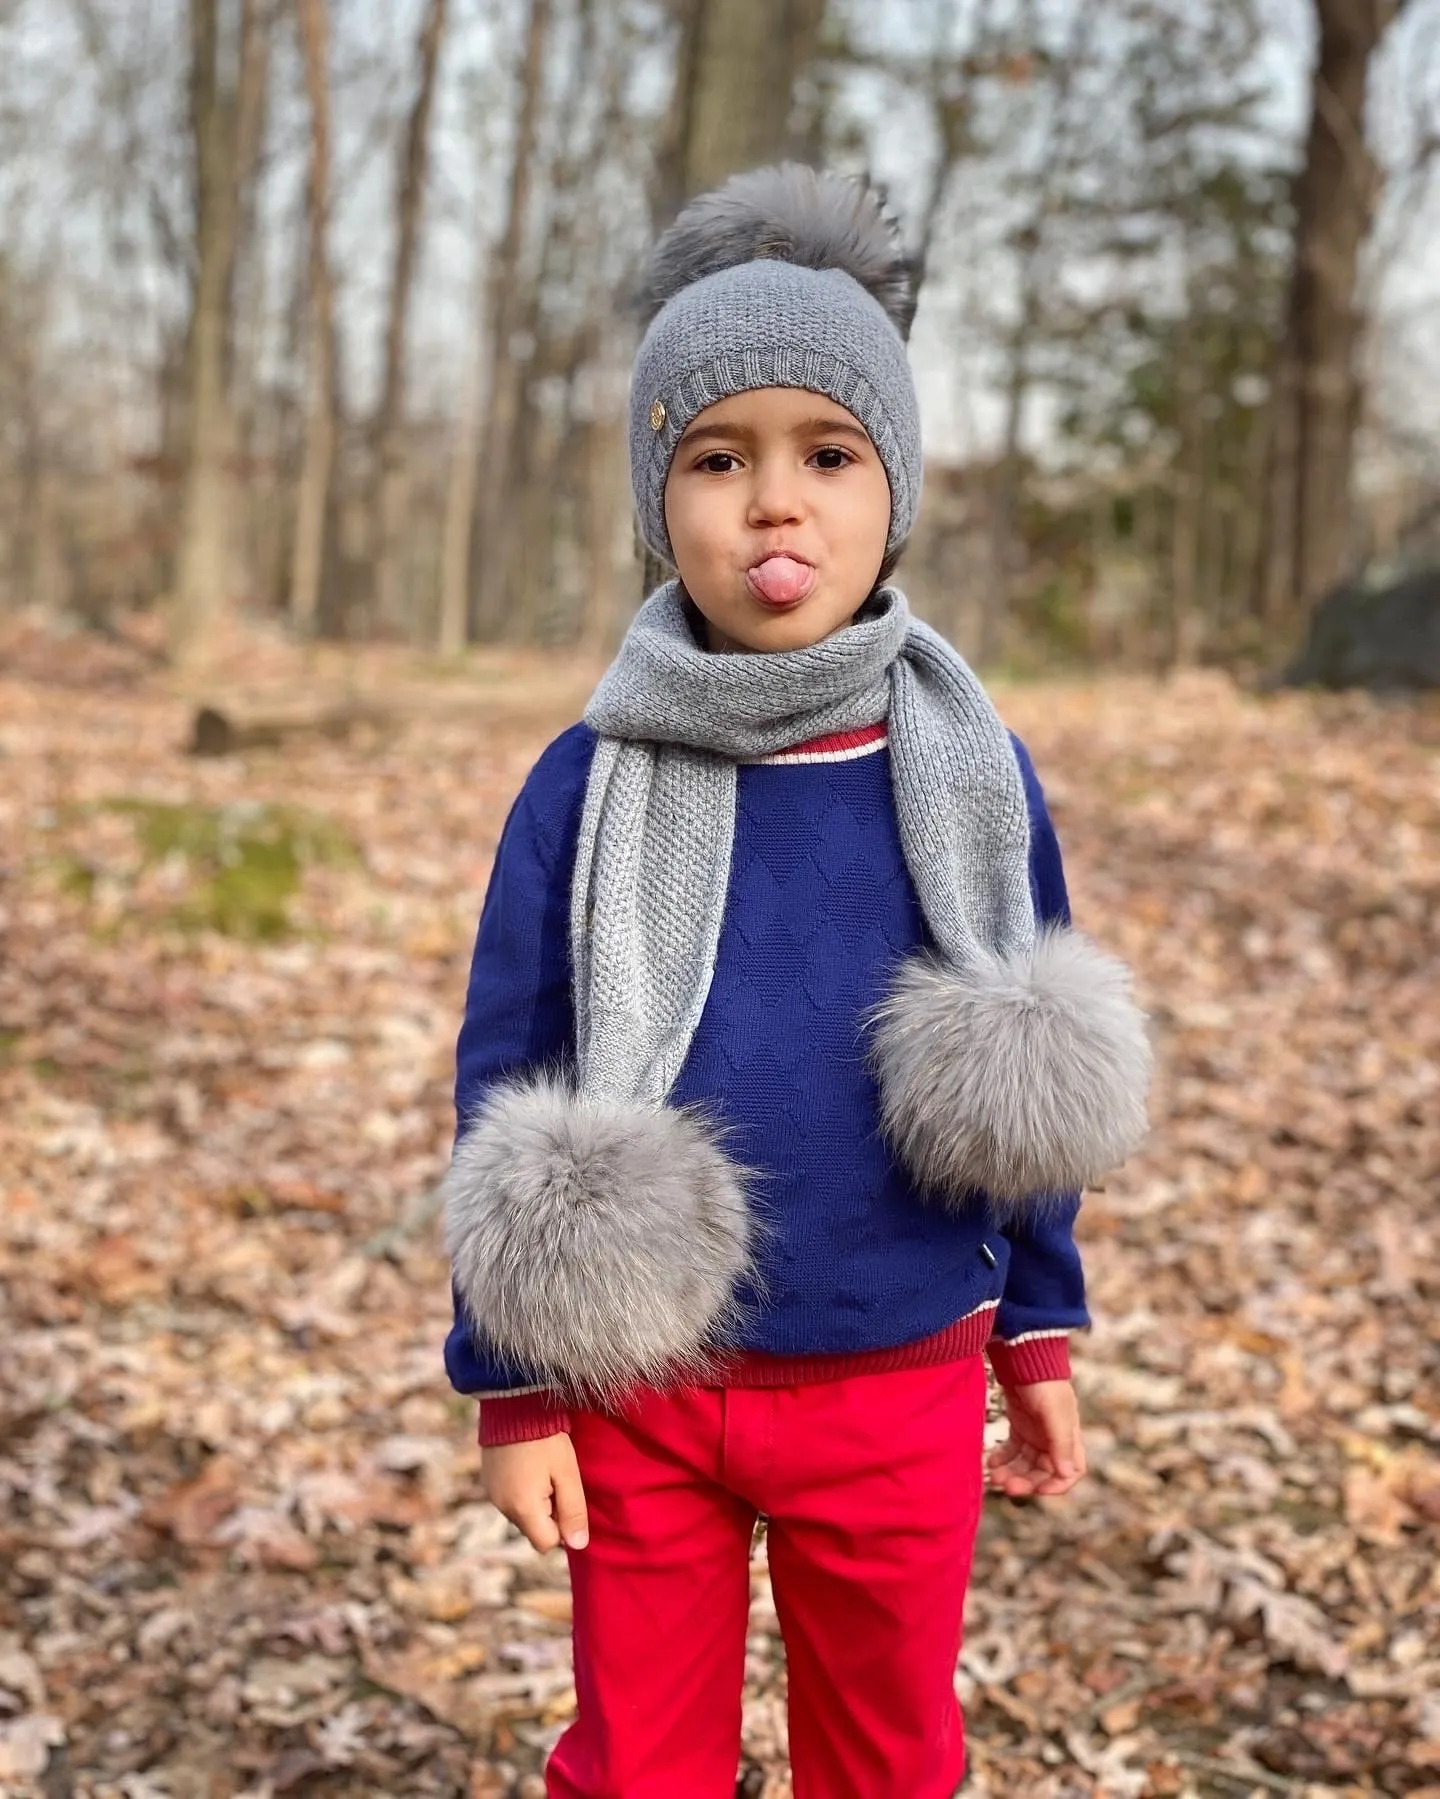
[684, 519]
[881, 505]
[695, 542]
[864, 519]
[701, 528]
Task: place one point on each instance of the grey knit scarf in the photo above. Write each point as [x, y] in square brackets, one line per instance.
[602, 1237]
[653, 867]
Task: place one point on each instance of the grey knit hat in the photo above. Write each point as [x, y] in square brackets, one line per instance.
[783, 277]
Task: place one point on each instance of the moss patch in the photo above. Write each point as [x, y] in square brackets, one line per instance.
[244, 860]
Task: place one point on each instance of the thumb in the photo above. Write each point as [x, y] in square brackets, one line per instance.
[571, 1514]
[1067, 1445]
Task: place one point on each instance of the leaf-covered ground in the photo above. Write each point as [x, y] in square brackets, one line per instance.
[243, 1541]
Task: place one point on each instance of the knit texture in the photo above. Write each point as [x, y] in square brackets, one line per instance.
[1011, 1067]
[772, 324]
[822, 908]
[653, 866]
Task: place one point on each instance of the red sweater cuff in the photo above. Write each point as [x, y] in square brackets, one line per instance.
[1028, 1360]
[521, 1418]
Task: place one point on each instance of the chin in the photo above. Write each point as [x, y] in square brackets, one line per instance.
[789, 631]
[796, 632]
[806, 625]
[743, 621]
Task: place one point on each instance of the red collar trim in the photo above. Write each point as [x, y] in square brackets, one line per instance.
[837, 742]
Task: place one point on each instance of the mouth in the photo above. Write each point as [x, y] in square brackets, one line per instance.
[780, 580]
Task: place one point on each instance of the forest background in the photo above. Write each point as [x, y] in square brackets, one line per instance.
[318, 312]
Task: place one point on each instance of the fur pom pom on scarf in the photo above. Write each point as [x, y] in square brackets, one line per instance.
[600, 1235]
[590, 1236]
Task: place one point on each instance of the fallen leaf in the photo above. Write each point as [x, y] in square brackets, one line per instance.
[192, 1509]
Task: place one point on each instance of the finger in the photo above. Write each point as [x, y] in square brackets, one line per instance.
[1016, 1444]
[571, 1514]
[1054, 1485]
[1054, 1476]
[1012, 1461]
[1028, 1471]
[1059, 1427]
[1018, 1486]
[1065, 1446]
[1027, 1462]
[1017, 1482]
[539, 1528]
[1071, 1464]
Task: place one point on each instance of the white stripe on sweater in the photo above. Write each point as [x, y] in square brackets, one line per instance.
[847, 755]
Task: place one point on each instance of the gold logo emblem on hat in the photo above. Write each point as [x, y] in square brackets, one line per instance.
[657, 414]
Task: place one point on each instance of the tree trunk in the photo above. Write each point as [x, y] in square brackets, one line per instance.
[1316, 391]
[244, 375]
[1006, 546]
[547, 513]
[387, 506]
[454, 623]
[607, 493]
[221, 137]
[733, 103]
[307, 565]
[1034, 278]
[494, 529]
[732, 107]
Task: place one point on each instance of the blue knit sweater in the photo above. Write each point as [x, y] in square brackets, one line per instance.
[819, 912]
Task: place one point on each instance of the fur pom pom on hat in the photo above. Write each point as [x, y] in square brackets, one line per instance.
[787, 213]
[783, 277]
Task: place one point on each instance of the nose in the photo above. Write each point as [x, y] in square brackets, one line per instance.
[776, 493]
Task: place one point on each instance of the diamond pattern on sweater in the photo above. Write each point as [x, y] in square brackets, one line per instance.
[820, 912]
[848, 1227]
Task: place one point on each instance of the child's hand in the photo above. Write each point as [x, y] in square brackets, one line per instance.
[1044, 1454]
[537, 1486]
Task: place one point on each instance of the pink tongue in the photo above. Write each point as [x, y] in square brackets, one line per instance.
[781, 578]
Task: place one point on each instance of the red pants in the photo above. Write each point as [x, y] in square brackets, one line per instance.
[872, 1486]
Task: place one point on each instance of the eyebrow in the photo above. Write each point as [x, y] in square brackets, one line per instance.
[812, 427]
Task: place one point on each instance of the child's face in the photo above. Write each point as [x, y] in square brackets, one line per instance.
[778, 509]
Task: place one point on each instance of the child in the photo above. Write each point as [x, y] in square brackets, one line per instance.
[781, 1069]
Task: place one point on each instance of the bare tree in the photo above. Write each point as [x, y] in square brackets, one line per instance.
[24, 563]
[224, 113]
[1316, 390]
[1130, 178]
[948, 86]
[307, 565]
[1034, 253]
[733, 106]
[454, 625]
[505, 300]
[387, 503]
[1107, 216]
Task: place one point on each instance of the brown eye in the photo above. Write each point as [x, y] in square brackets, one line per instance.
[832, 457]
[718, 462]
